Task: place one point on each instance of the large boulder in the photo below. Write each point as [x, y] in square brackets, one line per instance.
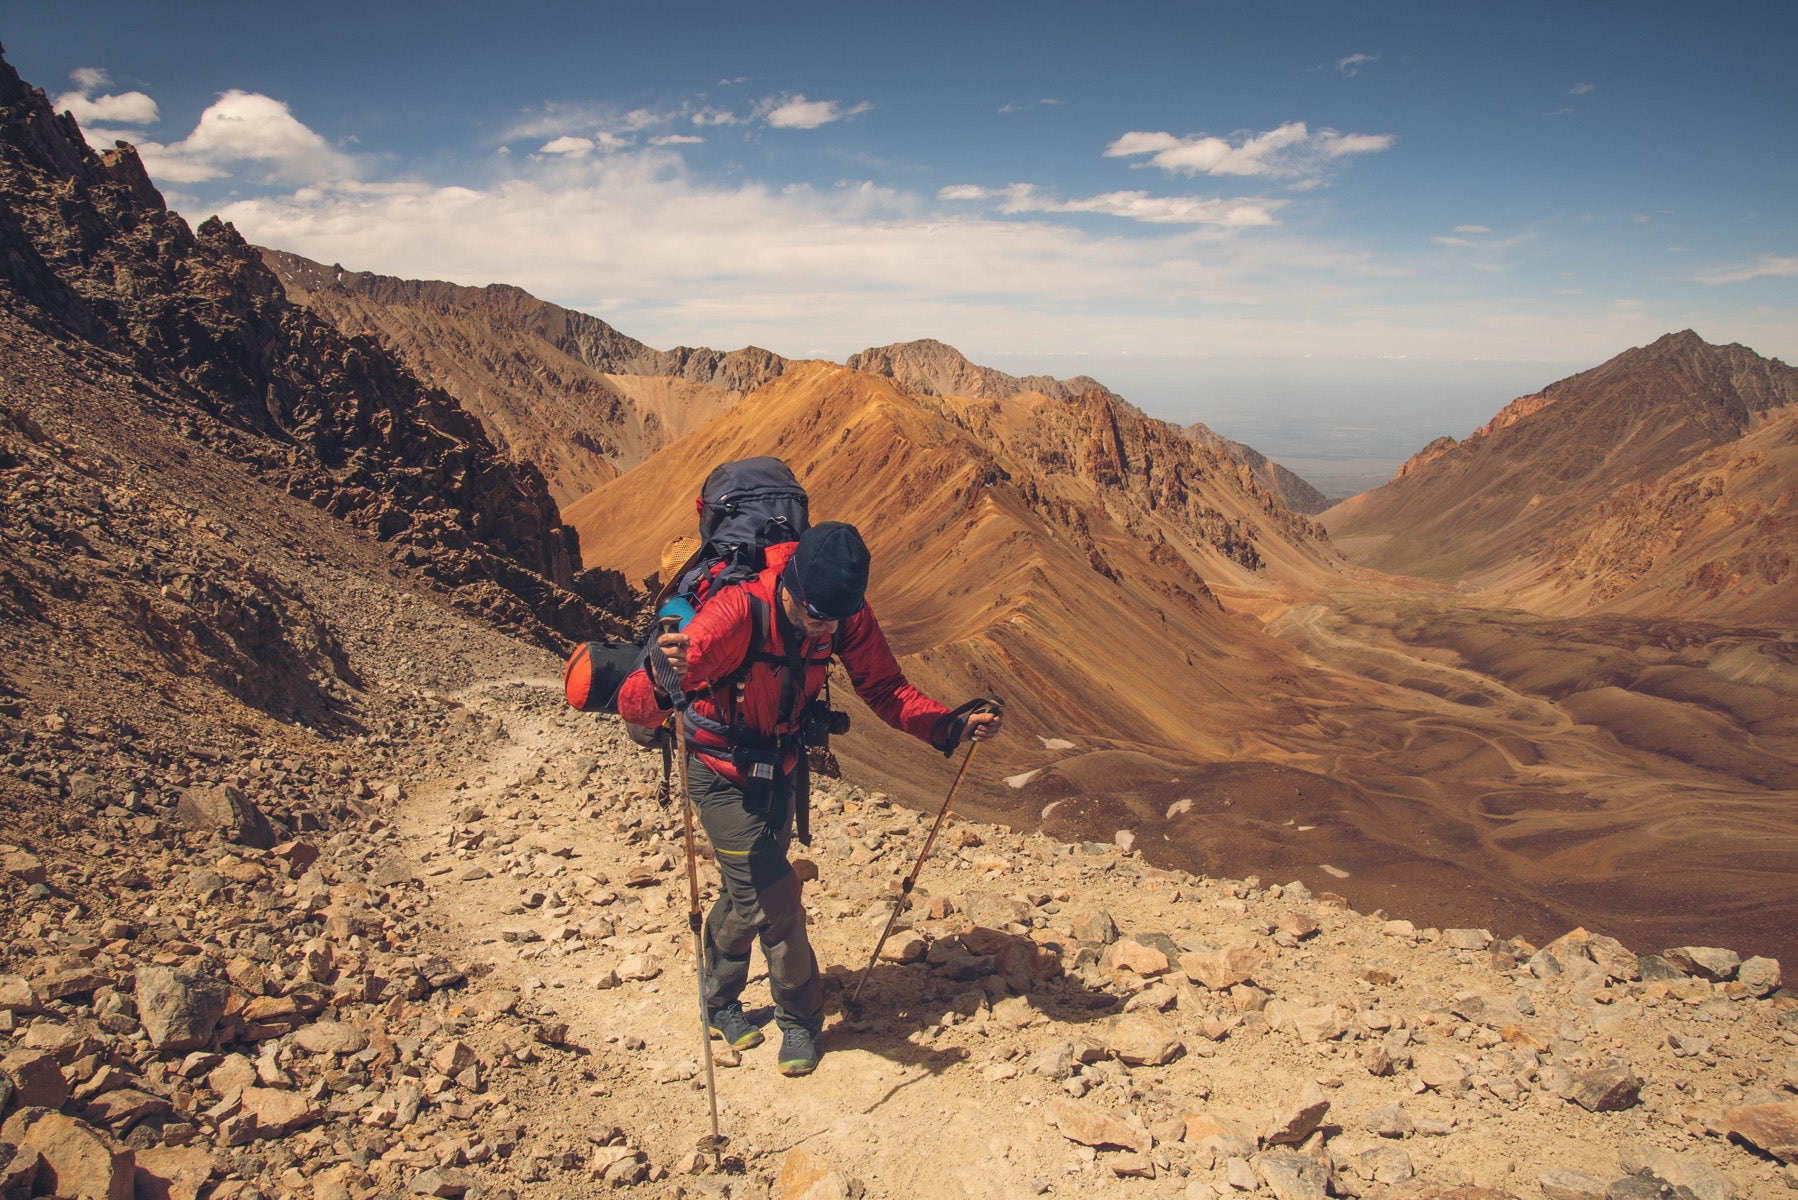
[225, 810]
[1143, 1040]
[173, 1172]
[79, 1161]
[1086, 1123]
[179, 1007]
[1707, 962]
[36, 1079]
[1772, 1127]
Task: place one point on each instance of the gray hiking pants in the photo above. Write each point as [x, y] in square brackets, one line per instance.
[750, 830]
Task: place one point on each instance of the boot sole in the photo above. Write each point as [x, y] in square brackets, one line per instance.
[748, 1041]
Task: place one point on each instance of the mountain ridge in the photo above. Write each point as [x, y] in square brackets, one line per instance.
[555, 387]
[1513, 507]
[1053, 516]
[933, 368]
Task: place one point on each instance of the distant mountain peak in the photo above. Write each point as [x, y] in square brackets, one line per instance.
[1577, 495]
[934, 368]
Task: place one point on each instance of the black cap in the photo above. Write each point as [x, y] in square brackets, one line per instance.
[828, 573]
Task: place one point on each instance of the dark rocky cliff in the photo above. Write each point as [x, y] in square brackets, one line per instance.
[585, 338]
[89, 252]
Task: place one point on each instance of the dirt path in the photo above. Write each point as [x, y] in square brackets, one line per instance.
[557, 873]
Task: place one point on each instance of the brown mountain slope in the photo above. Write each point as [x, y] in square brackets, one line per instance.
[1536, 502]
[1057, 551]
[557, 388]
[1391, 741]
[1716, 535]
[930, 368]
[1292, 489]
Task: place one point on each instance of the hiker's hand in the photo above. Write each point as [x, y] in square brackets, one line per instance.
[983, 725]
[674, 648]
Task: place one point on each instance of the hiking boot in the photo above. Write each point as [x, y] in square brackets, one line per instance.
[737, 1031]
[798, 1051]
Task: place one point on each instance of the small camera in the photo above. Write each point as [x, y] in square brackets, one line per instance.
[822, 721]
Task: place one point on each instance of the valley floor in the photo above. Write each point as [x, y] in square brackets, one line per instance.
[1459, 763]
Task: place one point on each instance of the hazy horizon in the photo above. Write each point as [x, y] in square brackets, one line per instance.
[1344, 424]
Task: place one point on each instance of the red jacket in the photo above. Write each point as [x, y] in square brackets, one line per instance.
[720, 638]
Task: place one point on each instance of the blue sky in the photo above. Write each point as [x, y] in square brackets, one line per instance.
[1288, 220]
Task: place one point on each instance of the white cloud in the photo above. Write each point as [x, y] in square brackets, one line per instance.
[1140, 206]
[796, 112]
[1340, 145]
[1351, 66]
[1444, 240]
[1767, 266]
[1142, 143]
[676, 139]
[568, 144]
[247, 129]
[637, 239]
[576, 145]
[125, 108]
[553, 120]
[636, 236]
[1290, 151]
[606, 127]
[1580, 89]
[639, 119]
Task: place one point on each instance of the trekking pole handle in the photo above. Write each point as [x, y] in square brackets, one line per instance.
[661, 671]
[956, 719]
[979, 704]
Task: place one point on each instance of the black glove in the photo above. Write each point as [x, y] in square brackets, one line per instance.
[951, 727]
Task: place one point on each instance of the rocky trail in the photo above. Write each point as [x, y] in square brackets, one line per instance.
[480, 983]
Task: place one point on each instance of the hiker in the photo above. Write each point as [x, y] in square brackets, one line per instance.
[738, 661]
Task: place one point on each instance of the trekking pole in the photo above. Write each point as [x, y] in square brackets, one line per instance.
[984, 704]
[695, 921]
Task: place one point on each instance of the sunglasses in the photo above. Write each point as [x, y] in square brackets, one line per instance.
[798, 593]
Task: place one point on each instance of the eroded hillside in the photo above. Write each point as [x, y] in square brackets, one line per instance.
[1659, 483]
[553, 387]
[1066, 553]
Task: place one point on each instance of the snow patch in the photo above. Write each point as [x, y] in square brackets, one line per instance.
[1018, 781]
[1338, 872]
[1054, 743]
